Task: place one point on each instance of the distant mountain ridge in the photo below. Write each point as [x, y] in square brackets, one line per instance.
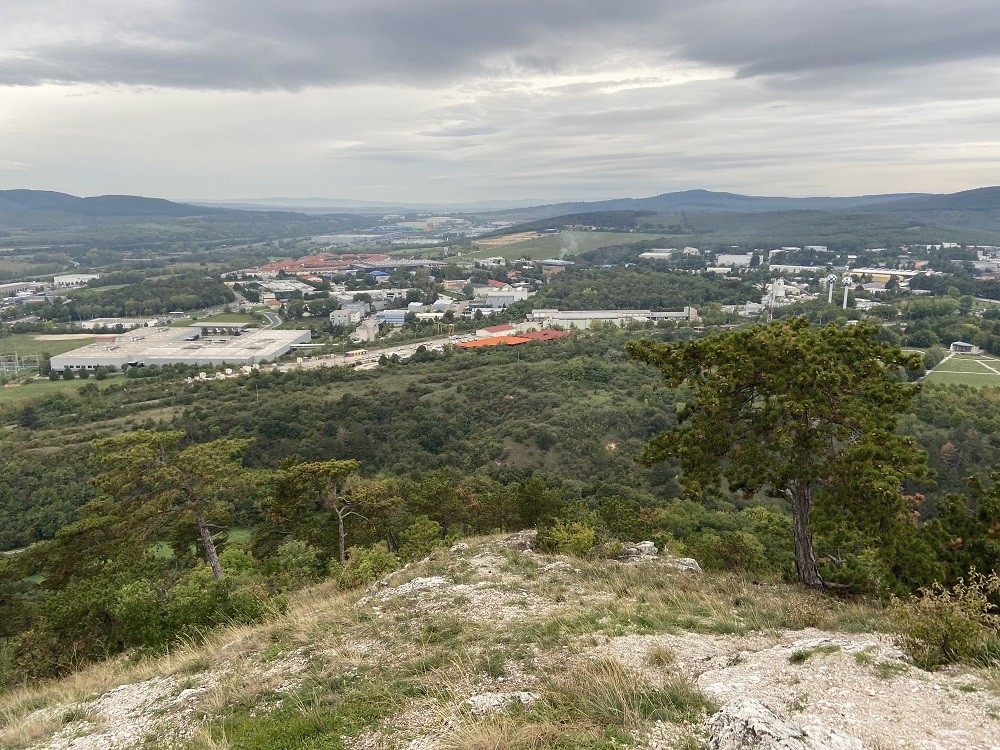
[975, 209]
[14, 201]
[707, 200]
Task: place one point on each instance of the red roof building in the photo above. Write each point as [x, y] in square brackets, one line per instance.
[546, 334]
[495, 341]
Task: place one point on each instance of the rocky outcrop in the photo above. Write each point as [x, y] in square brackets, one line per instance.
[523, 541]
[636, 552]
[685, 565]
[746, 723]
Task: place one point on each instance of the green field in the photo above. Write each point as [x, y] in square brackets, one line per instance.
[568, 243]
[28, 344]
[248, 318]
[12, 394]
[967, 369]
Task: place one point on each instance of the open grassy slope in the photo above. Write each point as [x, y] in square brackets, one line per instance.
[485, 646]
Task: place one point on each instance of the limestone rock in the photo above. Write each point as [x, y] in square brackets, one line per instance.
[522, 540]
[745, 723]
[637, 551]
[685, 565]
[486, 703]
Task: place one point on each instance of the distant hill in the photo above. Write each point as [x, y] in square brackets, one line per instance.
[700, 201]
[40, 218]
[980, 199]
[969, 209]
[14, 201]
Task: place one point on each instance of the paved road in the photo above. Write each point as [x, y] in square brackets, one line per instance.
[273, 321]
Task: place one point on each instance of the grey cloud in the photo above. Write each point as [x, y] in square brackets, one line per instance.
[265, 45]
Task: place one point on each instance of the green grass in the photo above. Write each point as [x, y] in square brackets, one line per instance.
[240, 535]
[572, 243]
[228, 318]
[967, 369]
[800, 657]
[27, 344]
[12, 394]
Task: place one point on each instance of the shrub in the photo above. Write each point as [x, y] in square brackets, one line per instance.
[364, 565]
[420, 538]
[736, 552]
[295, 564]
[568, 538]
[943, 626]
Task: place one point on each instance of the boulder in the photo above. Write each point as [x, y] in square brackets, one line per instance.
[746, 723]
[685, 565]
[638, 550]
[522, 540]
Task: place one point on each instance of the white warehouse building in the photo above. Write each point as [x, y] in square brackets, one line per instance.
[192, 345]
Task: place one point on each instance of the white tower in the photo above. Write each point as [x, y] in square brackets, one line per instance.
[848, 282]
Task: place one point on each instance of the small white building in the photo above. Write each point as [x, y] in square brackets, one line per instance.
[963, 347]
[349, 314]
[741, 260]
[74, 279]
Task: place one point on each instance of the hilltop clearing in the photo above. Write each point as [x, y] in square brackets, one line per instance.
[489, 646]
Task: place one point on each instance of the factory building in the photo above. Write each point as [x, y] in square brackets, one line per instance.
[202, 344]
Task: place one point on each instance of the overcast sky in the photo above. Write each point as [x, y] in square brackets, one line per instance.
[463, 100]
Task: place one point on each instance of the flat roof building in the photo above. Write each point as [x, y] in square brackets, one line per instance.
[185, 345]
[74, 279]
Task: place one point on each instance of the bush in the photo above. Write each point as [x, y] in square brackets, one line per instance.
[734, 552]
[364, 565]
[295, 564]
[944, 626]
[568, 538]
[420, 538]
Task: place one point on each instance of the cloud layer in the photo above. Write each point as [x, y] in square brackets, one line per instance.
[499, 98]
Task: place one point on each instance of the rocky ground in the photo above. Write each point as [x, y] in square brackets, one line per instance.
[490, 631]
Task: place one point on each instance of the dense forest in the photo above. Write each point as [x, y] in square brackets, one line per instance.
[156, 296]
[646, 288]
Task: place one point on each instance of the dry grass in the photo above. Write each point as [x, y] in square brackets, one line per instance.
[442, 656]
[660, 655]
[505, 732]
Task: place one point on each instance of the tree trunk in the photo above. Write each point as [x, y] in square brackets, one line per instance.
[210, 553]
[800, 493]
[343, 537]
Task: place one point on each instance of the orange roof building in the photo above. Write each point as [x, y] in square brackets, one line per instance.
[495, 341]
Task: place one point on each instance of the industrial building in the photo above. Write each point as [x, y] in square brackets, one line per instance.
[584, 319]
[201, 344]
[74, 279]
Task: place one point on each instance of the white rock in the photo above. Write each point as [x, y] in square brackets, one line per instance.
[486, 703]
[745, 723]
[685, 565]
[522, 540]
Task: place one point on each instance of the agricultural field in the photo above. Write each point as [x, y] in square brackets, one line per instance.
[564, 243]
[967, 369]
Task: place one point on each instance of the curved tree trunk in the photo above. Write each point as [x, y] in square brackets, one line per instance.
[801, 495]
